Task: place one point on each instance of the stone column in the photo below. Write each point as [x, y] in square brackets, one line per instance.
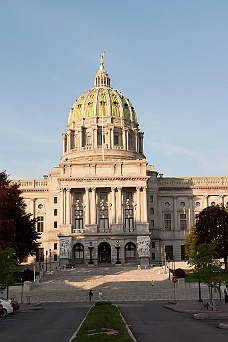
[93, 206]
[32, 208]
[205, 201]
[87, 206]
[175, 212]
[191, 212]
[119, 206]
[68, 206]
[136, 140]
[80, 139]
[113, 205]
[61, 206]
[138, 206]
[144, 204]
[127, 141]
[124, 138]
[112, 138]
[64, 142]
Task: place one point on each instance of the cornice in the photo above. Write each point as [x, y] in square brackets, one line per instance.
[86, 179]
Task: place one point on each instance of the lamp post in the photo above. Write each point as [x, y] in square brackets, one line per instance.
[118, 253]
[198, 272]
[50, 258]
[46, 259]
[90, 254]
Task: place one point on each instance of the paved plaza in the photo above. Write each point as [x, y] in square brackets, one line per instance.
[117, 283]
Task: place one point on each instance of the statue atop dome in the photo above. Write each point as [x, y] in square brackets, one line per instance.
[102, 60]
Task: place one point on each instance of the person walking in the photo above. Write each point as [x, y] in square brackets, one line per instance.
[100, 295]
[90, 295]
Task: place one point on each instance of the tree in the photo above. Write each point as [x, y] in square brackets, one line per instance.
[204, 265]
[7, 268]
[212, 226]
[190, 243]
[17, 229]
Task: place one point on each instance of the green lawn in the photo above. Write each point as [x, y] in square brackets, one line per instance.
[103, 323]
[193, 278]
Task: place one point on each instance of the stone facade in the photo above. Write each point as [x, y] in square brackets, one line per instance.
[104, 204]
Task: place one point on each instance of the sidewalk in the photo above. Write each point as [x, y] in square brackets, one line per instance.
[202, 310]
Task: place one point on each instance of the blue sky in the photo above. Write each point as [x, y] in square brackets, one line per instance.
[168, 57]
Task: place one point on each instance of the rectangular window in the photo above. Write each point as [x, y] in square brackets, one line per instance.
[79, 223]
[104, 224]
[151, 198]
[167, 221]
[55, 224]
[129, 220]
[55, 257]
[99, 137]
[55, 246]
[103, 196]
[153, 244]
[183, 255]
[169, 252]
[40, 224]
[129, 195]
[78, 196]
[128, 212]
[129, 224]
[55, 200]
[151, 211]
[153, 256]
[39, 255]
[55, 212]
[78, 212]
[183, 222]
[152, 223]
[116, 138]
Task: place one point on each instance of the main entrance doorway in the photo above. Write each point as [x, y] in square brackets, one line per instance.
[104, 252]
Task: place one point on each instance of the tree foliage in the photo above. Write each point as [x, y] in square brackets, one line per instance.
[17, 229]
[191, 243]
[212, 226]
[205, 265]
[7, 267]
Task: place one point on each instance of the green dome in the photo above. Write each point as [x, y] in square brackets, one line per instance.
[102, 100]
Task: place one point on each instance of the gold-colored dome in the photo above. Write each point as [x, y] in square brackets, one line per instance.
[102, 100]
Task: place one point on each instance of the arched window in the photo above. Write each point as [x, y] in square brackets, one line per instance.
[79, 252]
[130, 252]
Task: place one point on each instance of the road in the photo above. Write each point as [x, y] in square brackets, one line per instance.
[57, 322]
[148, 321]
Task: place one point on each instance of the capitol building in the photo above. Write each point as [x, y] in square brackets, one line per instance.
[104, 204]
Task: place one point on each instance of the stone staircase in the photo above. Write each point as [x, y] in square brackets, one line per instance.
[117, 283]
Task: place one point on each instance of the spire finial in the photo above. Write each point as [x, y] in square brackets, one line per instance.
[102, 60]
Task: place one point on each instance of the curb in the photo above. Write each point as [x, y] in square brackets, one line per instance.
[31, 307]
[223, 326]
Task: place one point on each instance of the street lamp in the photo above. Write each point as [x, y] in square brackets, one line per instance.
[46, 259]
[90, 254]
[198, 272]
[118, 253]
[50, 257]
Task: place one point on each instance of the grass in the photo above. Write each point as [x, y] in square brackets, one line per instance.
[191, 277]
[103, 323]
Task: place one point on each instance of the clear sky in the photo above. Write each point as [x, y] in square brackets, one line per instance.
[169, 57]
